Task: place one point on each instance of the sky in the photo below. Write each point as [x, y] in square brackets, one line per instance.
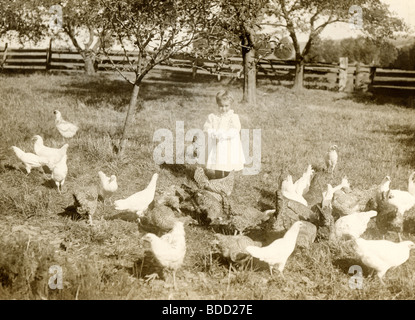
[404, 9]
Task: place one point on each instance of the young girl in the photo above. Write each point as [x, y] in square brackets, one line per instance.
[225, 151]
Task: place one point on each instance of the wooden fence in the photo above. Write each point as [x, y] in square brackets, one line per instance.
[182, 68]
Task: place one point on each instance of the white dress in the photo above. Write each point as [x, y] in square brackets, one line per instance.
[225, 152]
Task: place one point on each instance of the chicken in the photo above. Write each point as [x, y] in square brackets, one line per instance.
[392, 206]
[328, 197]
[385, 184]
[52, 154]
[302, 185]
[169, 249]
[278, 252]
[159, 219]
[59, 172]
[331, 158]
[139, 201]
[403, 200]
[171, 198]
[329, 194]
[86, 200]
[221, 186]
[411, 184]
[353, 225]
[65, 128]
[381, 255]
[30, 160]
[288, 191]
[233, 248]
[108, 185]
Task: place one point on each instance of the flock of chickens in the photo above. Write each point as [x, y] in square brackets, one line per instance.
[304, 210]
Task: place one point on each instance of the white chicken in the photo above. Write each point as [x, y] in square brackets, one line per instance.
[278, 252]
[328, 197]
[352, 225]
[381, 255]
[331, 158]
[401, 199]
[30, 160]
[108, 185]
[59, 172]
[169, 249]
[302, 185]
[385, 184]
[53, 155]
[288, 191]
[139, 201]
[65, 128]
[329, 194]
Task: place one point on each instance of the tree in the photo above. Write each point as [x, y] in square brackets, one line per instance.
[82, 23]
[311, 17]
[241, 22]
[79, 20]
[156, 30]
[22, 17]
[360, 49]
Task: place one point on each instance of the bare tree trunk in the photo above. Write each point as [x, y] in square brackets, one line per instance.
[249, 95]
[129, 118]
[299, 75]
[89, 66]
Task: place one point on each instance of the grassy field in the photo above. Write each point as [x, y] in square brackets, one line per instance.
[109, 260]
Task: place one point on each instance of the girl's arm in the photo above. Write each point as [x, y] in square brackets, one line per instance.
[208, 127]
[233, 130]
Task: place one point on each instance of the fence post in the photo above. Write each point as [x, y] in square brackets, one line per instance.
[343, 64]
[357, 78]
[49, 55]
[194, 67]
[371, 78]
[4, 55]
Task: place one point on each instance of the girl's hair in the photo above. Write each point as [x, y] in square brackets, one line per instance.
[224, 95]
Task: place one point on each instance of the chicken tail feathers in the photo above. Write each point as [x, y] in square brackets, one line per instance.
[254, 251]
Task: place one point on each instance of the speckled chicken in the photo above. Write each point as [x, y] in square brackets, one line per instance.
[205, 206]
[233, 247]
[243, 218]
[171, 197]
[221, 186]
[287, 213]
[85, 203]
[214, 209]
[331, 159]
[86, 200]
[158, 220]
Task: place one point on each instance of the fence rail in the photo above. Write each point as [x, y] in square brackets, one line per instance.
[316, 75]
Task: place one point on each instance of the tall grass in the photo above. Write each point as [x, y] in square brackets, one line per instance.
[108, 260]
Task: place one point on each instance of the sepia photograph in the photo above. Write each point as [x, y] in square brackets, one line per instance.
[210, 155]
